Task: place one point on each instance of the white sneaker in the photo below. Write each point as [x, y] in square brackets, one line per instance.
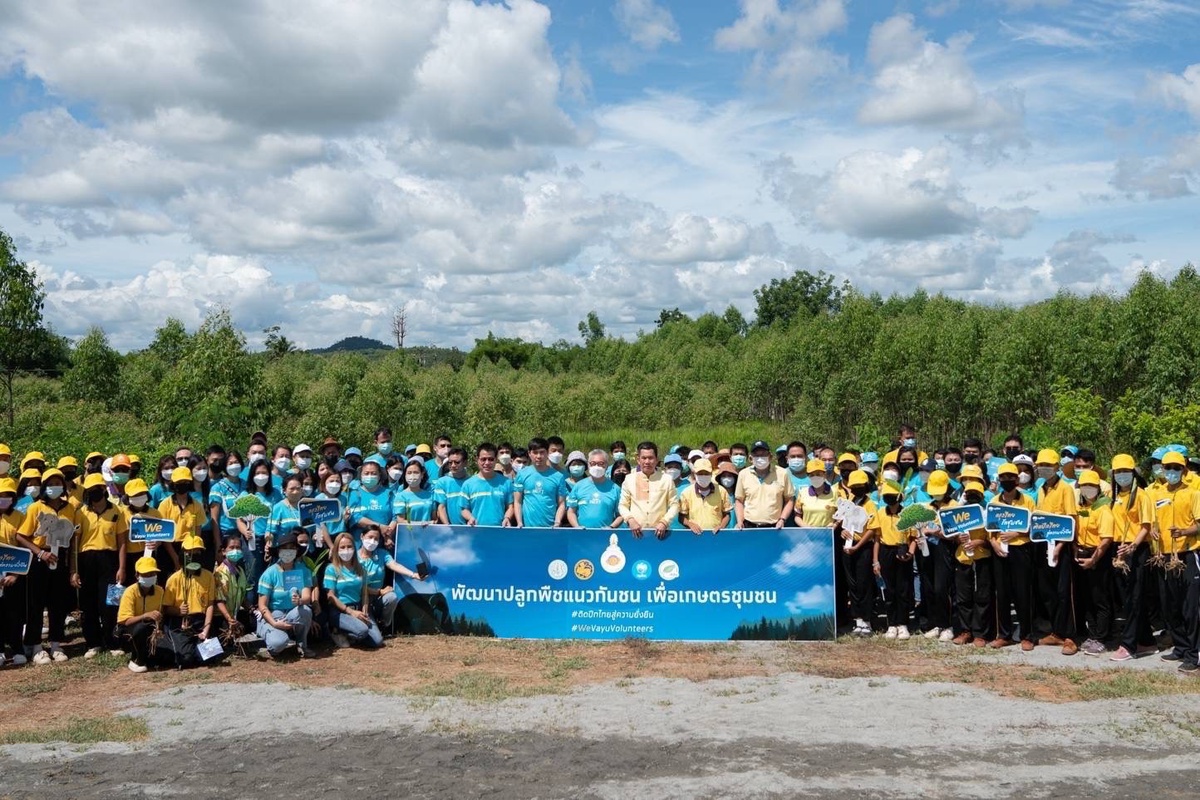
[3, 660]
[136, 667]
[41, 657]
[861, 628]
[902, 632]
[19, 660]
[58, 655]
[890, 633]
[92, 652]
[947, 635]
[932, 633]
[340, 640]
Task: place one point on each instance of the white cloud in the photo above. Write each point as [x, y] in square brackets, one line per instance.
[786, 41]
[1076, 259]
[806, 551]
[816, 598]
[1181, 90]
[646, 23]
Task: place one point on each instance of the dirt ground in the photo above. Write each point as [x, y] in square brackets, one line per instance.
[438, 717]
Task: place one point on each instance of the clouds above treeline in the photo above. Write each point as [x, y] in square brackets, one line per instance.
[512, 166]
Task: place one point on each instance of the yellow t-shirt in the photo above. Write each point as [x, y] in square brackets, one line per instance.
[1095, 523]
[134, 603]
[817, 509]
[1058, 500]
[977, 535]
[1130, 510]
[30, 524]
[198, 591]
[10, 523]
[1023, 501]
[1176, 508]
[101, 531]
[888, 534]
[188, 519]
[707, 512]
[764, 498]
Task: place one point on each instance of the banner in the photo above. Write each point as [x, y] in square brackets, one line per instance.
[556, 583]
[313, 512]
[150, 529]
[1046, 527]
[960, 519]
[1007, 519]
[15, 560]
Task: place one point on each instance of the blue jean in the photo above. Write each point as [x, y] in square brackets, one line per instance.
[301, 619]
[356, 630]
[383, 608]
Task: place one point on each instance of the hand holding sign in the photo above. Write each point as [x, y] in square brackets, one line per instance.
[57, 533]
[853, 518]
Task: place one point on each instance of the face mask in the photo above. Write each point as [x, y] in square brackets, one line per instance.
[5, 503]
[796, 464]
[192, 565]
[1008, 486]
[182, 488]
[505, 459]
[816, 481]
[234, 556]
[261, 480]
[1124, 479]
[53, 492]
[287, 556]
[234, 470]
[370, 545]
[120, 478]
[618, 456]
[1156, 470]
[596, 472]
[5, 466]
[347, 478]
[619, 477]
[303, 463]
[577, 470]
[257, 457]
[738, 461]
[1024, 478]
[413, 481]
[283, 464]
[907, 466]
[970, 458]
[892, 500]
[973, 497]
[1089, 493]
[941, 463]
[32, 491]
[147, 581]
[910, 442]
[1046, 473]
[729, 483]
[139, 501]
[891, 475]
[704, 481]
[346, 554]
[394, 475]
[845, 473]
[1011, 452]
[829, 465]
[953, 468]
[1173, 476]
[443, 452]
[385, 448]
[200, 475]
[761, 463]
[859, 491]
[166, 474]
[370, 481]
[95, 495]
[675, 474]
[333, 487]
[308, 491]
[555, 458]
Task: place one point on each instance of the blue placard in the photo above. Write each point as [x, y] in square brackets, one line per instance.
[14, 560]
[1045, 527]
[293, 580]
[313, 512]
[542, 583]
[150, 529]
[961, 519]
[1007, 519]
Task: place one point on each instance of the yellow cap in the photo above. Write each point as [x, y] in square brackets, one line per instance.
[93, 480]
[34, 456]
[424, 450]
[8, 485]
[970, 472]
[976, 482]
[814, 466]
[1047, 457]
[939, 483]
[848, 457]
[4, 451]
[146, 566]
[858, 478]
[1175, 458]
[68, 461]
[1123, 461]
[890, 487]
[702, 465]
[181, 474]
[1007, 469]
[193, 542]
[1089, 477]
[53, 473]
[30, 473]
[133, 458]
[135, 487]
[94, 454]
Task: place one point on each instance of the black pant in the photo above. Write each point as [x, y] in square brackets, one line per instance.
[841, 586]
[1172, 591]
[1069, 602]
[1136, 586]
[47, 590]
[937, 578]
[1045, 588]
[860, 580]
[1013, 579]
[174, 648]
[898, 576]
[973, 599]
[97, 570]
[1096, 591]
[1191, 605]
[12, 616]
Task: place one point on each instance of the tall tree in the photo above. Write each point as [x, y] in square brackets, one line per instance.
[276, 343]
[400, 326]
[25, 343]
[802, 294]
[95, 371]
[591, 329]
[668, 315]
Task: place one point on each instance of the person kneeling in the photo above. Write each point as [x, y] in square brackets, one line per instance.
[140, 618]
[284, 602]
[189, 606]
[346, 589]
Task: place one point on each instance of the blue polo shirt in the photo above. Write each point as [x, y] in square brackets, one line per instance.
[595, 503]
[540, 491]
[448, 492]
[488, 498]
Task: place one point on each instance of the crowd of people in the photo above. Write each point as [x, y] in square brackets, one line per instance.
[1129, 580]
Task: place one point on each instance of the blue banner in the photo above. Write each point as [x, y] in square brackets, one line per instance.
[556, 583]
[314, 511]
[14, 560]
[150, 529]
[960, 519]
[1007, 519]
[1046, 527]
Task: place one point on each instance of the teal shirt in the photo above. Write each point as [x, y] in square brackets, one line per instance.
[448, 492]
[223, 494]
[488, 498]
[375, 506]
[345, 584]
[283, 518]
[277, 585]
[414, 506]
[595, 503]
[540, 492]
[375, 567]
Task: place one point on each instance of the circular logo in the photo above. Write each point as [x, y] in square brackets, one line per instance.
[612, 561]
[668, 570]
[558, 569]
[584, 569]
[641, 569]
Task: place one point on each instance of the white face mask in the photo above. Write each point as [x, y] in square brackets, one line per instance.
[283, 464]
[257, 457]
[796, 464]
[346, 554]
[287, 556]
[675, 473]
[1024, 478]
[261, 479]
[53, 492]
[891, 475]
[1090, 493]
[333, 487]
[816, 480]
[414, 481]
[443, 452]
[303, 463]
[556, 458]
[505, 459]
[166, 474]
[5, 466]
[704, 481]
[596, 472]
[147, 581]
[395, 475]
[347, 477]
[308, 491]
[32, 491]
[370, 545]
[139, 501]
[761, 462]
[200, 475]
[233, 470]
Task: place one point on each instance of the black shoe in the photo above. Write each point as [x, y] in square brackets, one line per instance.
[1171, 656]
[1189, 666]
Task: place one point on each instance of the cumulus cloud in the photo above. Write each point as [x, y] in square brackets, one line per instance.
[646, 23]
[816, 598]
[787, 41]
[1182, 90]
[1076, 258]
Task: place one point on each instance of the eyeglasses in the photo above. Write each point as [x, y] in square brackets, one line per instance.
[485, 460]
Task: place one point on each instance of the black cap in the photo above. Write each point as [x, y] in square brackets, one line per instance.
[928, 465]
[760, 445]
[286, 540]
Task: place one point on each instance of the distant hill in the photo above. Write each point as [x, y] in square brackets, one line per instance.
[424, 356]
[353, 344]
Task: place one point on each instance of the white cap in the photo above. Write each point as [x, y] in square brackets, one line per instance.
[301, 448]
[1023, 459]
[695, 454]
[576, 455]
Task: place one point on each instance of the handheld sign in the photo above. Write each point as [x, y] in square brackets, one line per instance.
[209, 648]
[14, 560]
[1046, 527]
[961, 519]
[313, 512]
[57, 532]
[853, 518]
[149, 529]
[293, 580]
[1007, 519]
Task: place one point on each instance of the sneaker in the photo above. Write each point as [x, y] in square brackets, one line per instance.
[1093, 647]
[1171, 655]
[3, 660]
[136, 667]
[307, 652]
[41, 657]
[890, 633]
[340, 640]
[902, 632]
[947, 635]
[1188, 666]
[1121, 655]
[116, 652]
[92, 652]
[19, 660]
[57, 655]
[932, 633]
[1145, 650]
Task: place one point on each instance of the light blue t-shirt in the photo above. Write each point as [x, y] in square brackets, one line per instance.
[375, 506]
[540, 491]
[346, 584]
[488, 498]
[223, 494]
[277, 585]
[448, 492]
[284, 517]
[414, 506]
[595, 503]
[799, 482]
[375, 567]
[158, 493]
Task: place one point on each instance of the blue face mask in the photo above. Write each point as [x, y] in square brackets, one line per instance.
[910, 442]
[234, 556]
[385, 449]
[796, 465]
[739, 460]
[1173, 476]
[370, 481]
[1124, 479]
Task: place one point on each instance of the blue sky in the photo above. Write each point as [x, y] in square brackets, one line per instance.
[510, 167]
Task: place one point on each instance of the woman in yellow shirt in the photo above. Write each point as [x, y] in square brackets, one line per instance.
[972, 580]
[894, 551]
[1093, 561]
[12, 603]
[99, 563]
[49, 580]
[136, 503]
[1133, 513]
[815, 503]
[1012, 568]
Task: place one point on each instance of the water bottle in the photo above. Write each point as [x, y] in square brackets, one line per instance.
[882, 585]
[923, 543]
